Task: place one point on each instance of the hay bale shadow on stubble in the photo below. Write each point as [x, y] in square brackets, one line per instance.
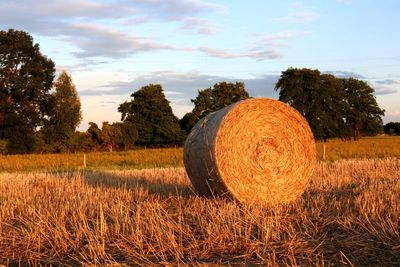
[126, 181]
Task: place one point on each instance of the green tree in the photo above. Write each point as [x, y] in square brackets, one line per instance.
[66, 113]
[317, 97]
[127, 136]
[109, 135]
[152, 115]
[392, 128]
[95, 134]
[26, 78]
[333, 107]
[212, 99]
[363, 115]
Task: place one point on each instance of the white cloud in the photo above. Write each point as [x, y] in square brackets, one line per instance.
[299, 13]
[200, 26]
[81, 24]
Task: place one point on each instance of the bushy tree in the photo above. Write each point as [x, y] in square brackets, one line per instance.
[95, 134]
[317, 97]
[212, 99]
[333, 107]
[392, 128]
[111, 136]
[363, 114]
[152, 115]
[26, 78]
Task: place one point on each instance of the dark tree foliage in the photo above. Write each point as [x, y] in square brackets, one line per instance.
[119, 135]
[95, 134]
[26, 77]
[66, 113]
[212, 99]
[316, 97]
[392, 128]
[333, 107]
[152, 115]
[363, 114]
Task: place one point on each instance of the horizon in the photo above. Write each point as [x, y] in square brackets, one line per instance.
[111, 48]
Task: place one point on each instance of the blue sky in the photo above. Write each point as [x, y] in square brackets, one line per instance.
[113, 47]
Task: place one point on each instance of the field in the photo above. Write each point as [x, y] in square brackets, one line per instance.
[376, 147]
[110, 214]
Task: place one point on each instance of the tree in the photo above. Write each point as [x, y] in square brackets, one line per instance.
[317, 97]
[333, 107]
[392, 128]
[152, 115]
[26, 78]
[128, 135]
[95, 134]
[212, 99]
[110, 136]
[66, 113]
[363, 114]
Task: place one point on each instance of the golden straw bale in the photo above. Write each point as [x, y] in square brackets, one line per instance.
[257, 151]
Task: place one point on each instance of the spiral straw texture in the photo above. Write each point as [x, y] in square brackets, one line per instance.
[257, 151]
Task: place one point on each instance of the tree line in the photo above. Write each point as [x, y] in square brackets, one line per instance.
[39, 113]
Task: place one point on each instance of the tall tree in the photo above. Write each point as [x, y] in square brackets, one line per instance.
[152, 115]
[26, 78]
[315, 97]
[212, 99]
[333, 107]
[66, 113]
[363, 114]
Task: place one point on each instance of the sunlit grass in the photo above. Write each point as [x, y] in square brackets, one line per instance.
[349, 215]
[376, 147]
[368, 147]
[136, 159]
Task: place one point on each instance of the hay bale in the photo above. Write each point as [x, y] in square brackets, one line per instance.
[258, 151]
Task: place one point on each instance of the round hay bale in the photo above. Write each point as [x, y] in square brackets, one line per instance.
[257, 151]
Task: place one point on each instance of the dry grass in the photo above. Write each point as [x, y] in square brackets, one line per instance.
[368, 147]
[376, 147]
[348, 215]
[138, 159]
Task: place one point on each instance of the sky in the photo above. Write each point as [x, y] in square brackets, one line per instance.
[112, 48]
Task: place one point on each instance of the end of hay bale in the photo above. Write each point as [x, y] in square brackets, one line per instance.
[258, 151]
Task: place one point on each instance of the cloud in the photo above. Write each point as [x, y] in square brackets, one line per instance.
[299, 13]
[34, 13]
[384, 91]
[180, 87]
[200, 26]
[173, 9]
[345, 74]
[97, 41]
[257, 53]
[81, 24]
[96, 9]
[387, 82]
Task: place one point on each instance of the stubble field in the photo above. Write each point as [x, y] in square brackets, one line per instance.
[349, 215]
